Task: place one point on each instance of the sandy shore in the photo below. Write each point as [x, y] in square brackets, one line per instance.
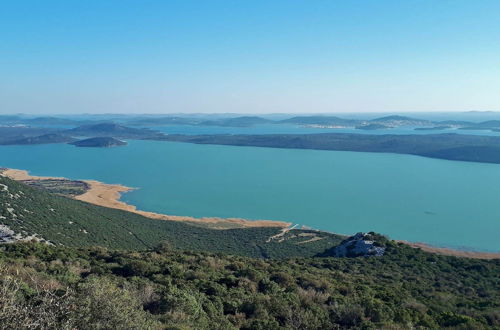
[108, 195]
[452, 252]
[20, 175]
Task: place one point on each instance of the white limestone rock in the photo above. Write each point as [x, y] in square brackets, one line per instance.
[359, 245]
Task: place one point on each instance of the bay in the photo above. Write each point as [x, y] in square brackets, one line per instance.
[443, 203]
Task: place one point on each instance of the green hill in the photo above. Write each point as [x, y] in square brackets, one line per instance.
[60, 287]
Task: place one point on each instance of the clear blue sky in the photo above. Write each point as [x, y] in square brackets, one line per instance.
[249, 56]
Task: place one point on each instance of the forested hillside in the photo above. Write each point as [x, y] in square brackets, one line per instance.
[42, 286]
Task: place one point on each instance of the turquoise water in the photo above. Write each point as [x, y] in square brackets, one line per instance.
[445, 203]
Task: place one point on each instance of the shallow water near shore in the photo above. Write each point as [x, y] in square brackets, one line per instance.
[439, 202]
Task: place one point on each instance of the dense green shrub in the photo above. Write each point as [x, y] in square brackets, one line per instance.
[43, 286]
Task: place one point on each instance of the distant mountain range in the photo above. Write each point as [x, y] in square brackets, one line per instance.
[247, 121]
[106, 134]
[320, 121]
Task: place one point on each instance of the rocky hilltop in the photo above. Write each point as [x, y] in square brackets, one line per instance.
[359, 245]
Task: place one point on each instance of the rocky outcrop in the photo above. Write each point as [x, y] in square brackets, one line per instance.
[6, 234]
[359, 245]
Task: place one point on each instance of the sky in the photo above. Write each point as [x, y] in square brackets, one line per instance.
[274, 56]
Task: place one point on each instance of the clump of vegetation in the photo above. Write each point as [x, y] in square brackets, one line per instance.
[60, 186]
[45, 286]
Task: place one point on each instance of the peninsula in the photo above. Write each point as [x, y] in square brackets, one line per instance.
[461, 147]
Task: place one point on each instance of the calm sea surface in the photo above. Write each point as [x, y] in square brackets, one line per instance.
[445, 203]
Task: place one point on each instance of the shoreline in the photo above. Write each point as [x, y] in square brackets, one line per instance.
[108, 195]
[451, 252]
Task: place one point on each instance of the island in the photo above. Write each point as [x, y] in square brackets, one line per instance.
[472, 148]
[99, 142]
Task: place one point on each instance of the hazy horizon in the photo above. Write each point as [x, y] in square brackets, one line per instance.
[167, 114]
[260, 57]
